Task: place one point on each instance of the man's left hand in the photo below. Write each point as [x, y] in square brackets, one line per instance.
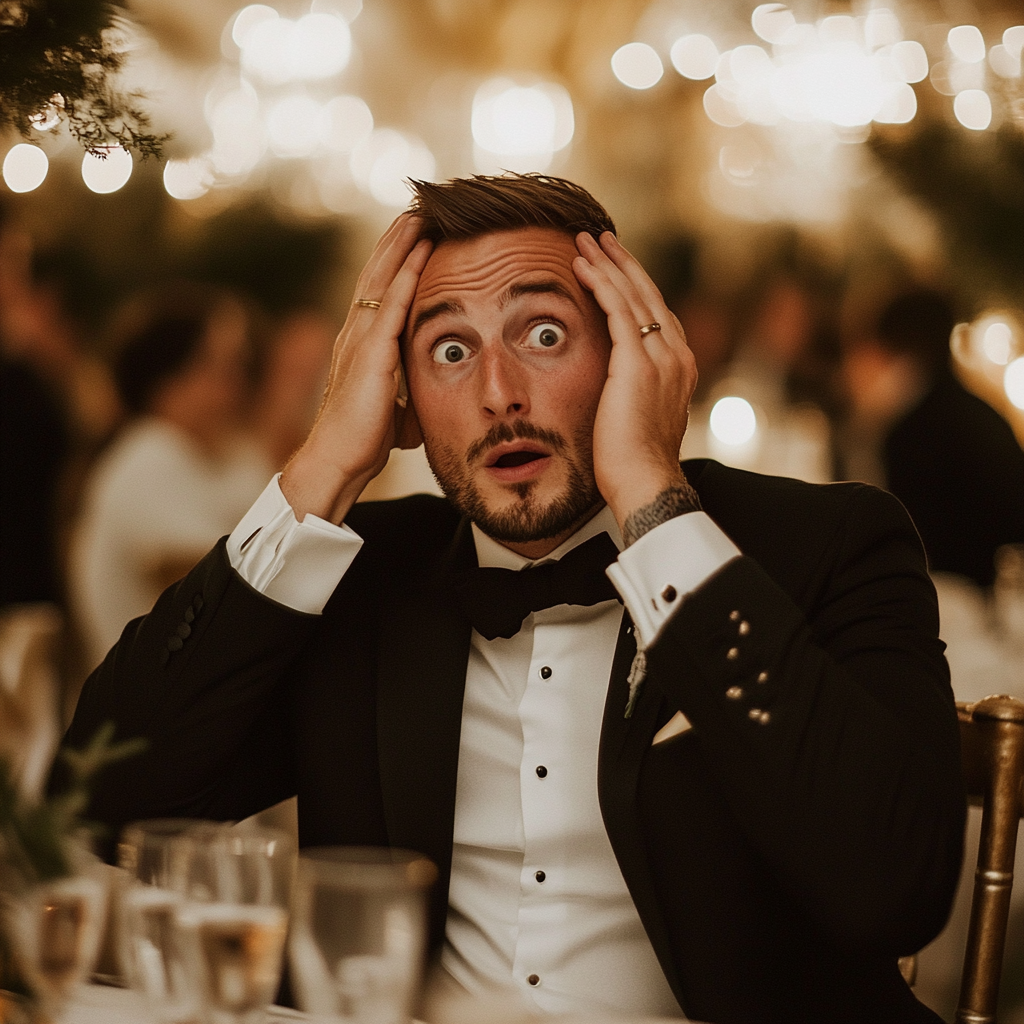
[643, 410]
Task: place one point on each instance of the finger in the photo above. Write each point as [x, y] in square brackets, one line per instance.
[395, 303]
[605, 268]
[624, 320]
[387, 258]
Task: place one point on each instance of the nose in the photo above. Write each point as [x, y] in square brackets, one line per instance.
[505, 391]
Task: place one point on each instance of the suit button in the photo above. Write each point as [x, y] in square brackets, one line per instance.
[540, 876]
[545, 672]
[534, 979]
[541, 771]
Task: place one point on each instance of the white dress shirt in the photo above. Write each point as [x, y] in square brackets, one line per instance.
[537, 903]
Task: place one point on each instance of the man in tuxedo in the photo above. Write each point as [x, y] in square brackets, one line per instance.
[737, 798]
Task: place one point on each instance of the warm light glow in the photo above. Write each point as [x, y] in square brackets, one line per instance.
[321, 46]
[109, 173]
[900, 107]
[966, 43]
[1013, 382]
[381, 163]
[772, 22]
[188, 179]
[234, 119]
[973, 109]
[1013, 40]
[293, 126]
[637, 65]
[882, 28]
[721, 108]
[347, 120]
[910, 61]
[733, 421]
[1003, 63]
[694, 56]
[25, 167]
[997, 342]
[248, 18]
[528, 122]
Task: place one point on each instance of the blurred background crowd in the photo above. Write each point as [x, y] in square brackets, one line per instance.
[830, 196]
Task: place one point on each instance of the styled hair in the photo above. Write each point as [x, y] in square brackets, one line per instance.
[158, 334]
[469, 207]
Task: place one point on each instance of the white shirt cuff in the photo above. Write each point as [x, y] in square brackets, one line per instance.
[296, 564]
[672, 560]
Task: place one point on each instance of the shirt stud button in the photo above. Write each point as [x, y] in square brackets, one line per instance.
[534, 979]
[545, 672]
[762, 677]
[540, 876]
[744, 628]
[734, 616]
[541, 771]
[734, 693]
[668, 593]
[733, 653]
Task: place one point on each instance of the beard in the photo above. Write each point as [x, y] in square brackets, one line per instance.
[524, 518]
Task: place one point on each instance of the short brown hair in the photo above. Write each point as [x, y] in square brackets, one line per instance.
[468, 207]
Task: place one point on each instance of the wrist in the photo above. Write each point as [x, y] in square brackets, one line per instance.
[313, 483]
[654, 504]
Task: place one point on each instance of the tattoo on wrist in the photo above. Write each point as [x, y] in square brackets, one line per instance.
[674, 501]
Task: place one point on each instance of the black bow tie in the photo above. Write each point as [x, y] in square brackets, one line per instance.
[497, 600]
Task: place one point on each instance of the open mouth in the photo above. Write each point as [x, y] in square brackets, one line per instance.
[510, 459]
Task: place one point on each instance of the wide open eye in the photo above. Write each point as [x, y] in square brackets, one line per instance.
[545, 336]
[449, 352]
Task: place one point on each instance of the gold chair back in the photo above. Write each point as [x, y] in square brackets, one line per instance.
[992, 743]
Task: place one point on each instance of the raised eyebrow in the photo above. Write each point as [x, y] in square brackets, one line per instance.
[424, 316]
[521, 288]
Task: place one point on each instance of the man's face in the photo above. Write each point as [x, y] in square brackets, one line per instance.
[506, 356]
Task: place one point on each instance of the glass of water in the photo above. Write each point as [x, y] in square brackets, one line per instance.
[359, 933]
[231, 922]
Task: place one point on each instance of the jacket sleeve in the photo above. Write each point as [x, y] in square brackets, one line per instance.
[828, 722]
[200, 679]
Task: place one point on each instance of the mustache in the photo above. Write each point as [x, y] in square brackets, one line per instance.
[502, 433]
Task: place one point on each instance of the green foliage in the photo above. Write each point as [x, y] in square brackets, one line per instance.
[60, 57]
[36, 839]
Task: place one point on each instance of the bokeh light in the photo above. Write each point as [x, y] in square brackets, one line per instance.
[637, 65]
[997, 342]
[733, 421]
[1013, 40]
[294, 126]
[694, 56]
[1013, 382]
[382, 162]
[774, 23]
[973, 109]
[523, 126]
[909, 60]
[347, 120]
[105, 174]
[966, 43]
[188, 179]
[25, 167]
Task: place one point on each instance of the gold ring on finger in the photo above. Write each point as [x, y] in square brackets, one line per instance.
[647, 329]
[367, 303]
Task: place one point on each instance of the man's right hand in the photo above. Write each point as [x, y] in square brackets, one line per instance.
[360, 419]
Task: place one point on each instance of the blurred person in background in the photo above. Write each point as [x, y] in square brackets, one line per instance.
[917, 431]
[180, 473]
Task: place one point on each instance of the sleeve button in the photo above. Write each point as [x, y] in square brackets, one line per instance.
[184, 630]
[174, 643]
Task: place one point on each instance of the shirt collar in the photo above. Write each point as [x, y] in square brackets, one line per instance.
[491, 554]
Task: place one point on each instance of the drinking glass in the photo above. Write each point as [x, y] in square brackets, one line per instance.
[154, 855]
[232, 919]
[359, 933]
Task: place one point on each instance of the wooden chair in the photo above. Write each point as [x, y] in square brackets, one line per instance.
[992, 741]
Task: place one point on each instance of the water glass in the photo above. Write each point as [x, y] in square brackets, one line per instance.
[359, 933]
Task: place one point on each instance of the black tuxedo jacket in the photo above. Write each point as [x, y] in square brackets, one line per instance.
[780, 863]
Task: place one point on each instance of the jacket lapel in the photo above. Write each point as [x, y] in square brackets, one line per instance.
[624, 743]
[422, 658]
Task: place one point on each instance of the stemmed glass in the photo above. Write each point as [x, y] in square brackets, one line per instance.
[359, 933]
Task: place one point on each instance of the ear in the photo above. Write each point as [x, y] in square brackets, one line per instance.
[407, 432]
